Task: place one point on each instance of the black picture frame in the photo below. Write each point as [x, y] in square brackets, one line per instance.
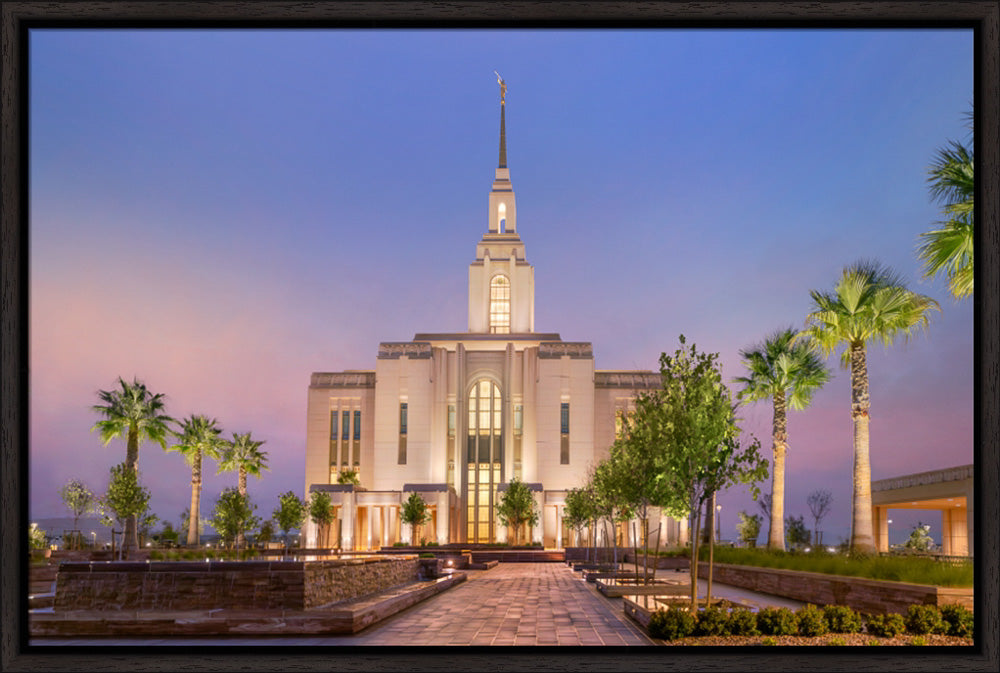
[20, 17]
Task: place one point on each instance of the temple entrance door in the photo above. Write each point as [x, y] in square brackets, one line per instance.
[484, 458]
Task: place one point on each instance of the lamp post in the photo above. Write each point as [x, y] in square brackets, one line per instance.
[718, 523]
[888, 545]
[94, 535]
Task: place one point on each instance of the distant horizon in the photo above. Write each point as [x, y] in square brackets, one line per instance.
[222, 213]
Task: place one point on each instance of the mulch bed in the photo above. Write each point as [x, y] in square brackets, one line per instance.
[847, 639]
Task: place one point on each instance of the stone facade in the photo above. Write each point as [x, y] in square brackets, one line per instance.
[262, 585]
[466, 412]
[864, 595]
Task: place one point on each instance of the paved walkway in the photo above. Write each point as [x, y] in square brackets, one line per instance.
[512, 604]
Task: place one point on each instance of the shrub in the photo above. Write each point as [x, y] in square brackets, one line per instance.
[425, 554]
[842, 619]
[921, 619]
[812, 622]
[777, 622]
[837, 641]
[959, 619]
[918, 640]
[671, 623]
[742, 622]
[885, 626]
[768, 641]
[712, 621]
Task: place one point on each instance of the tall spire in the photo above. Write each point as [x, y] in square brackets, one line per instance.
[503, 130]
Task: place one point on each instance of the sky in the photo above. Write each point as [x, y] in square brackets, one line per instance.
[220, 213]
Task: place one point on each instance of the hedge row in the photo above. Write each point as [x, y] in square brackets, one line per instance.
[678, 622]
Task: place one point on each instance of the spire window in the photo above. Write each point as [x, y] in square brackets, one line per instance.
[500, 305]
[501, 217]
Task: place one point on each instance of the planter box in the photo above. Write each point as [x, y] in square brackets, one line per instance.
[858, 593]
[615, 589]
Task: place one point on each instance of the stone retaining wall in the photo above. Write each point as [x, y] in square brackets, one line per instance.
[262, 585]
[864, 595]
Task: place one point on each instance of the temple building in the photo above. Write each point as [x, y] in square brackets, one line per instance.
[454, 416]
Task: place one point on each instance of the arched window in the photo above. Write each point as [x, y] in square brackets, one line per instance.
[500, 305]
[484, 455]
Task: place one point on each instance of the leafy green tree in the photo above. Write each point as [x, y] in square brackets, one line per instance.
[264, 534]
[748, 528]
[290, 513]
[517, 507]
[787, 372]
[167, 535]
[146, 522]
[415, 513]
[868, 303]
[37, 539]
[126, 500]
[949, 249]
[920, 538]
[694, 433]
[579, 510]
[198, 438]
[233, 516]
[321, 514]
[819, 505]
[79, 500]
[138, 415]
[796, 531]
[609, 488]
[639, 482]
[349, 477]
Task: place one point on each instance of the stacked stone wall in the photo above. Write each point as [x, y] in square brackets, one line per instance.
[332, 581]
[865, 595]
[259, 585]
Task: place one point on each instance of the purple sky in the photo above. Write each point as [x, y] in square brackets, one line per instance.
[221, 213]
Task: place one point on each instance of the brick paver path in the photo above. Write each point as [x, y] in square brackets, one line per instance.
[512, 604]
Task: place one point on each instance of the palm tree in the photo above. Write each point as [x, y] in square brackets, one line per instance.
[949, 249]
[199, 436]
[243, 454]
[138, 415]
[788, 372]
[868, 303]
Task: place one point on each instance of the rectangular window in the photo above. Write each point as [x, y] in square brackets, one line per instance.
[345, 426]
[333, 426]
[401, 456]
[564, 434]
[355, 448]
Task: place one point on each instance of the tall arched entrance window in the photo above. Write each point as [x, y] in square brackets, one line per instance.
[484, 456]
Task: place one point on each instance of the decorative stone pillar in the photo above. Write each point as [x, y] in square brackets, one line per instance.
[391, 535]
[347, 516]
[371, 527]
[881, 515]
[559, 527]
[946, 545]
[538, 531]
[682, 531]
[442, 517]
